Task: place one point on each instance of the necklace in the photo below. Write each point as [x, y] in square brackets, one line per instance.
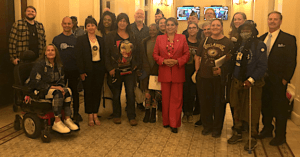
[170, 46]
[93, 40]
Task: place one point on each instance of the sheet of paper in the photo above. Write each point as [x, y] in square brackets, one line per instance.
[153, 83]
[219, 62]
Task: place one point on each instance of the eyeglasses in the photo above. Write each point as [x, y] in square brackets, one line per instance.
[192, 28]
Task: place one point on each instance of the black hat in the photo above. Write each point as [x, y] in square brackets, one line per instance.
[158, 11]
[250, 24]
[74, 18]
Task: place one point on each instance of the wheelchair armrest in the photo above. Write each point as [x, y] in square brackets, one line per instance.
[22, 88]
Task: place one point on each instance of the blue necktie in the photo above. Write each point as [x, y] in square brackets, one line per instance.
[269, 45]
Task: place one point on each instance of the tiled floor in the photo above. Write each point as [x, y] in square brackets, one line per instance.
[145, 139]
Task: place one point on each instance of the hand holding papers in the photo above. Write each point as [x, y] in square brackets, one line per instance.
[218, 63]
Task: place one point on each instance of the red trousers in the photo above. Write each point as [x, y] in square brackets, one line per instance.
[172, 101]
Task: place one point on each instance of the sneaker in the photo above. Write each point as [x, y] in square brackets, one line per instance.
[71, 125]
[133, 122]
[235, 138]
[190, 119]
[60, 127]
[184, 119]
[198, 123]
[253, 144]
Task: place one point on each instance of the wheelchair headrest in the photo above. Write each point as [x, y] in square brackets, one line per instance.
[27, 56]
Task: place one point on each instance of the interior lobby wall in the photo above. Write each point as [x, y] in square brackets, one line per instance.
[51, 12]
[290, 24]
[202, 4]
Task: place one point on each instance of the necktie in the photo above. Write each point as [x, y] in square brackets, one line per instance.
[269, 45]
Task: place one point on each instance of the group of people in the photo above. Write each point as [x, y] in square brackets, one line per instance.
[200, 70]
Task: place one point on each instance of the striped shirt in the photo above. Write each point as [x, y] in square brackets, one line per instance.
[19, 38]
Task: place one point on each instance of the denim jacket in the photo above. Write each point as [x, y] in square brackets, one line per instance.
[43, 76]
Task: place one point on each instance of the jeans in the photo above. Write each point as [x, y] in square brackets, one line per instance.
[116, 88]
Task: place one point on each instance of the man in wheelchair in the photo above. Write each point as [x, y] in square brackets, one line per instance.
[47, 81]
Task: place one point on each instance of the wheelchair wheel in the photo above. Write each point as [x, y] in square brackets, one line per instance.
[46, 138]
[32, 125]
[17, 123]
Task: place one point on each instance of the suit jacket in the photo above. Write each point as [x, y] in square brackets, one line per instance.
[282, 58]
[181, 53]
[83, 52]
[146, 65]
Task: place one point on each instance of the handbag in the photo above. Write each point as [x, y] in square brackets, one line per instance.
[139, 95]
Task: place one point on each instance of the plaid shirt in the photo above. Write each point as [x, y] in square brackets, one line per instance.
[19, 38]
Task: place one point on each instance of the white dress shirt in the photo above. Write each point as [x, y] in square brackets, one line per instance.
[274, 37]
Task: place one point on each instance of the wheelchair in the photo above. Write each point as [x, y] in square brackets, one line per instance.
[37, 116]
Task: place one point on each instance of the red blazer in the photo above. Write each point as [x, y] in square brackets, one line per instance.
[181, 53]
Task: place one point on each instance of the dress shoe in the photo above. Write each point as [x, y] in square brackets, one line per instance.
[198, 123]
[206, 132]
[174, 130]
[132, 122]
[277, 141]
[77, 117]
[117, 120]
[216, 134]
[263, 134]
[166, 126]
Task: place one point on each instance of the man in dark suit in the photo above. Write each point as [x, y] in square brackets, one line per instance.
[282, 52]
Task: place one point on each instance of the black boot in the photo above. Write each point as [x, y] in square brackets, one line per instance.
[153, 116]
[147, 116]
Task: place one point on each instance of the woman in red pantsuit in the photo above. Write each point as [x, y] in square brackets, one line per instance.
[171, 53]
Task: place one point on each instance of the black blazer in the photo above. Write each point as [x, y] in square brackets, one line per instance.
[84, 54]
[282, 58]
